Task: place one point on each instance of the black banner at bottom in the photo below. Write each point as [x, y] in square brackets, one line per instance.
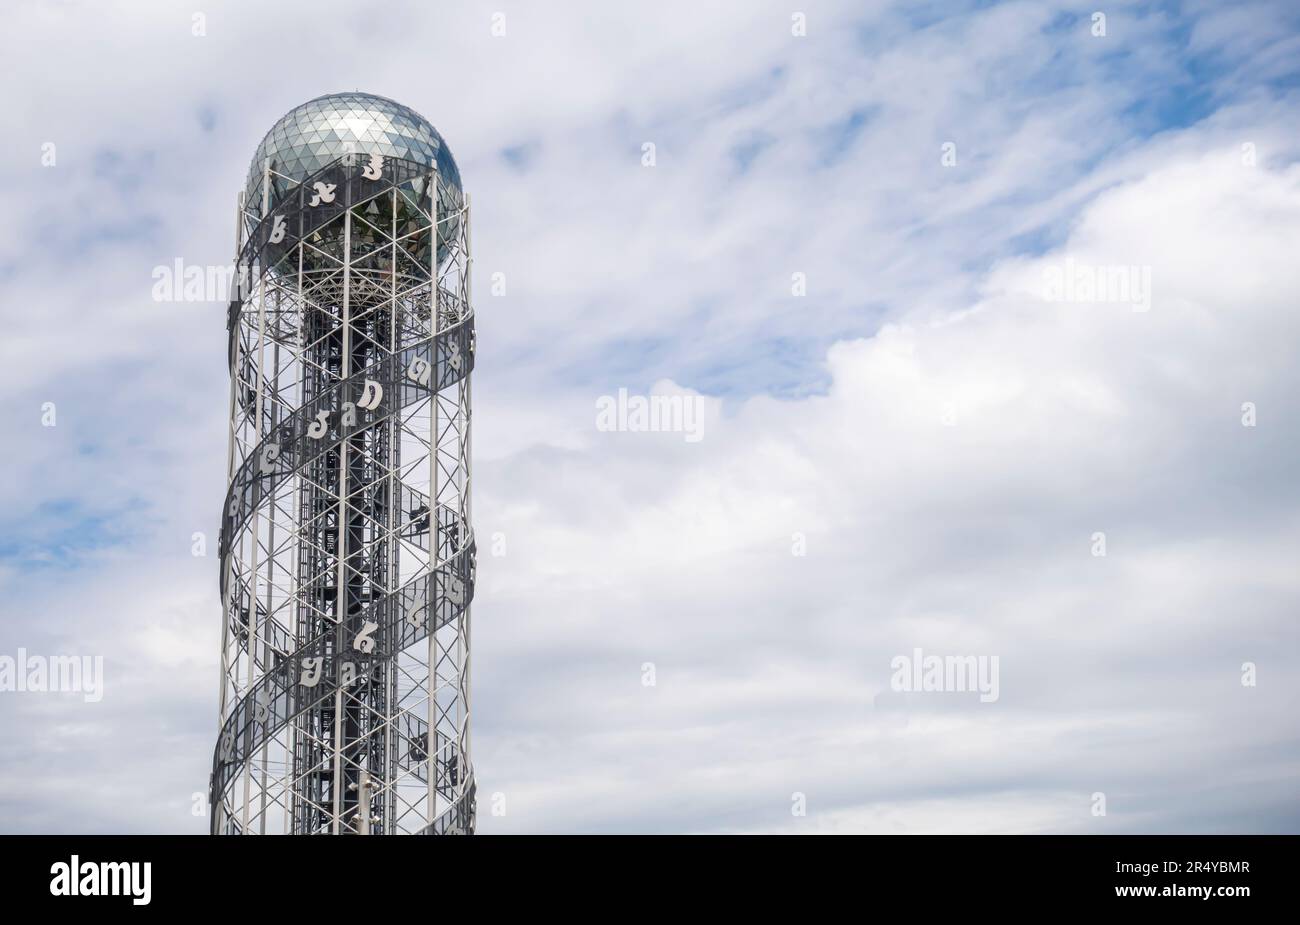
[130, 874]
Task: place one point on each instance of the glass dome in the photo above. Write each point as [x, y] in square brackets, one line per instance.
[311, 135]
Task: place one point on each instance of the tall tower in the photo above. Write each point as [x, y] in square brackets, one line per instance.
[347, 556]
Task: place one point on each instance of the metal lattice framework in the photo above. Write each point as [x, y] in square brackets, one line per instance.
[347, 557]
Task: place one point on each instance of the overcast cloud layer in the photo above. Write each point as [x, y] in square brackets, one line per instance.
[918, 453]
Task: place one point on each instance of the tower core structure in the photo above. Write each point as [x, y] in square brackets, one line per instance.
[347, 555]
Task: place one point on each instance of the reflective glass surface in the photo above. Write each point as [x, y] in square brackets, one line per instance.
[312, 135]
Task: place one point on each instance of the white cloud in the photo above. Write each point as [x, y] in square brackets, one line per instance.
[969, 538]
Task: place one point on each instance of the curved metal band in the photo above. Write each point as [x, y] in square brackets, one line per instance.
[336, 416]
[280, 694]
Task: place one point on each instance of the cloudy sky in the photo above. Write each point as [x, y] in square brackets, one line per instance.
[845, 246]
